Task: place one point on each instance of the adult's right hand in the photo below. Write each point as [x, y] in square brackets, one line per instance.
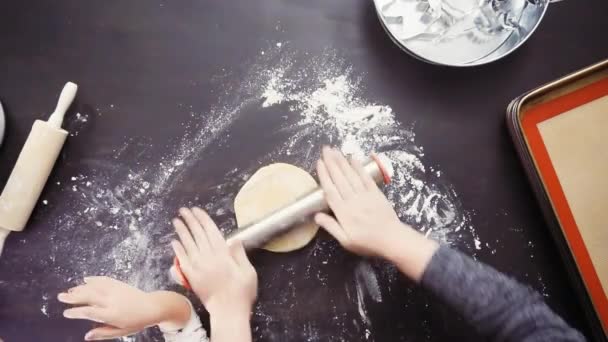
[365, 222]
[364, 218]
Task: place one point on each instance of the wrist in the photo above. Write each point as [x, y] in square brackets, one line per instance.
[230, 325]
[398, 239]
[410, 251]
[171, 310]
[228, 308]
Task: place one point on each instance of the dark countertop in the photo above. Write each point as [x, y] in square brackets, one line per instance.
[143, 66]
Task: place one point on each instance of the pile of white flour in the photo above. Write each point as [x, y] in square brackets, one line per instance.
[334, 106]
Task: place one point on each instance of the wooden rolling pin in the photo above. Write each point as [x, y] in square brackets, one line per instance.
[33, 167]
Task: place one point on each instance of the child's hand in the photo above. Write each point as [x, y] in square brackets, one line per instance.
[123, 309]
[220, 275]
[365, 219]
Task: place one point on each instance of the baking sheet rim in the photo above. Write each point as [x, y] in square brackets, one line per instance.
[516, 114]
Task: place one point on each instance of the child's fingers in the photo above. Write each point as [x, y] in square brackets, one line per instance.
[332, 227]
[100, 282]
[81, 295]
[216, 239]
[91, 313]
[106, 332]
[96, 279]
[200, 236]
[185, 237]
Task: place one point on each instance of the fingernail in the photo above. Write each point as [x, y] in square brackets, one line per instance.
[89, 336]
[62, 296]
[67, 314]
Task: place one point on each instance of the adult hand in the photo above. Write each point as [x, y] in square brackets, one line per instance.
[364, 218]
[220, 275]
[123, 309]
[365, 221]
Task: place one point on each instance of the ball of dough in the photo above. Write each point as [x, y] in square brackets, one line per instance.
[269, 189]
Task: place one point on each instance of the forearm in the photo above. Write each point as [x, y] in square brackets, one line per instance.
[173, 310]
[498, 307]
[180, 323]
[230, 326]
[409, 250]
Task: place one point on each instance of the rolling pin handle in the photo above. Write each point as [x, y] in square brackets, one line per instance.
[65, 100]
[386, 175]
[3, 235]
[178, 275]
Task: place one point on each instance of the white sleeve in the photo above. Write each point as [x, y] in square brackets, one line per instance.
[192, 332]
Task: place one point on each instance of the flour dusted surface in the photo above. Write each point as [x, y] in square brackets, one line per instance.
[322, 100]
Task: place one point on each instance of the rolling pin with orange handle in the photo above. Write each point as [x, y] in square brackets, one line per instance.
[33, 167]
[279, 222]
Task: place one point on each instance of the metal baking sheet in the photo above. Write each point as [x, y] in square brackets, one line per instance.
[558, 130]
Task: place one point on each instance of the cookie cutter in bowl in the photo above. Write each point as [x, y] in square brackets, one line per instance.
[460, 32]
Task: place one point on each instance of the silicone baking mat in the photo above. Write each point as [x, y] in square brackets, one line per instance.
[568, 139]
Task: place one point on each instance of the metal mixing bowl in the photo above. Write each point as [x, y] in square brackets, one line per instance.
[460, 32]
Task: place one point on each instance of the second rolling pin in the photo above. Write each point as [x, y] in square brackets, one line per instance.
[33, 167]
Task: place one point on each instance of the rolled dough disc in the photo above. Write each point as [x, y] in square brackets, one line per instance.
[269, 189]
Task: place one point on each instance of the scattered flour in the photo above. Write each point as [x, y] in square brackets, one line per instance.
[326, 104]
[361, 307]
[45, 305]
[367, 280]
[477, 244]
[74, 124]
[326, 97]
[82, 118]
[332, 107]
[366, 284]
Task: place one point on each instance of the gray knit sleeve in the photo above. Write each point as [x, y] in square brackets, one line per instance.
[498, 307]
